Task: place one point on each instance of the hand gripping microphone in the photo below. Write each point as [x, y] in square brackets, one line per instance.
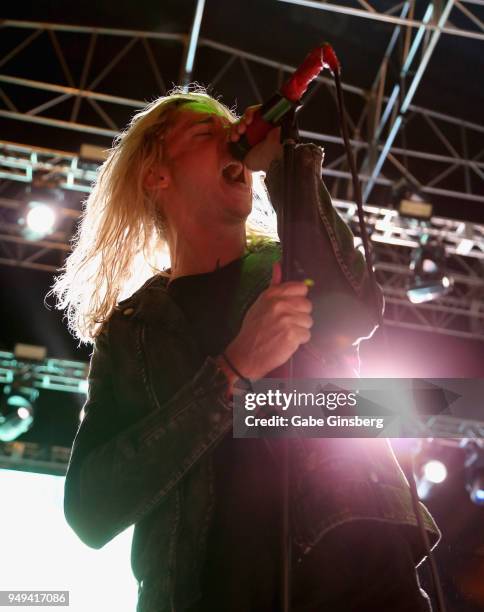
[272, 112]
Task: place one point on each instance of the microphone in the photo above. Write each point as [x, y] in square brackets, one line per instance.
[273, 111]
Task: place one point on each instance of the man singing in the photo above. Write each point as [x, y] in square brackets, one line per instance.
[155, 447]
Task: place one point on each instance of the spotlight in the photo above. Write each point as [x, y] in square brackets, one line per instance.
[409, 202]
[476, 488]
[42, 197]
[16, 409]
[434, 471]
[475, 472]
[429, 280]
[40, 219]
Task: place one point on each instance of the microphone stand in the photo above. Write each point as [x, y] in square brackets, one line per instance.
[289, 137]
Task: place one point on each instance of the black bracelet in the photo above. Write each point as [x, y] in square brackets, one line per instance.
[234, 369]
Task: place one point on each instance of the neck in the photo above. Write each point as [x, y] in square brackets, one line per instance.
[204, 251]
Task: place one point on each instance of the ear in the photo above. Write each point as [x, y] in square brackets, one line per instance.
[158, 177]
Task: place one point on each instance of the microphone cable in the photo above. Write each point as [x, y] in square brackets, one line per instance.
[332, 61]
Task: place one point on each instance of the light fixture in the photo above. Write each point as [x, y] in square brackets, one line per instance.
[17, 408]
[408, 201]
[29, 352]
[475, 472]
[476, 488]
[429, 279]
[39, 220]
[93, 153]
[434, 471]
[415, 208]
[42, 197]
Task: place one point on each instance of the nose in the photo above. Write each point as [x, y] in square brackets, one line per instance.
[226, 141]
[227, 132]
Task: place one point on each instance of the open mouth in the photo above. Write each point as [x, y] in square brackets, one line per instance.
[233, 172]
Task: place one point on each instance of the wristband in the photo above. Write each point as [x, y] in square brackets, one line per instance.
[234, 369]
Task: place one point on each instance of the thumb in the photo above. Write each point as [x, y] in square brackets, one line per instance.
[276, 273]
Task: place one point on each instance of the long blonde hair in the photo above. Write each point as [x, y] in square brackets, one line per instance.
[120, 240]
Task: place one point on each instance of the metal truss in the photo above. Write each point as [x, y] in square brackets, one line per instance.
[51, 374]
[364, 9]
[34, 457]
[380, 120]
[387, 116]
[462, 430]
[460, 314]
[382, 126]
[19, 163]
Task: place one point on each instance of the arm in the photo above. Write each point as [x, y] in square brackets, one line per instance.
[118, 473]
[344, 304]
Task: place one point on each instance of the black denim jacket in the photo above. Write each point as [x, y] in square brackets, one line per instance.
[156, 408]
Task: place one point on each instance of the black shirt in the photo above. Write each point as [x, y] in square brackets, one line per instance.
[239, 572]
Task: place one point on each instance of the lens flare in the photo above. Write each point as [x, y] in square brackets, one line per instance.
[435, 471]
[40, 218]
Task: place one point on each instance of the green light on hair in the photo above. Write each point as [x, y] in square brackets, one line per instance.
[200, 106]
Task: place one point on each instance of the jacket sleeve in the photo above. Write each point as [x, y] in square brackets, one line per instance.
[118, 473]
[347, 307]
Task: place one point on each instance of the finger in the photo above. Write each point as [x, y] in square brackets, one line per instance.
[276, 273]
[300, 319]
[303, 334]
[246, 118]
[250, 112]
[299, 304]
[306, 336]
[240, 126]
[290, 288]
[236, 130]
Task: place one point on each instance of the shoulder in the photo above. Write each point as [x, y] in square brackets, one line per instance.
[158, 281]
[127, 309]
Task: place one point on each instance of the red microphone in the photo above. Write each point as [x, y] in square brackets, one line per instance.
[271, 113]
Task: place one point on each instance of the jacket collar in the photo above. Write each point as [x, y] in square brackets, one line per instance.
[153, 298]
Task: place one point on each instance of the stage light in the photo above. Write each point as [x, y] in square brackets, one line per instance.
[476, 488]
[408, 200]
[23, 413]
[16, 410]
[434, 471]
[478, 496]
[415, 208]
[42, 198]
[475, 472]
[29, 352]
[93, 153]
[429, 279]
[40, 219]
